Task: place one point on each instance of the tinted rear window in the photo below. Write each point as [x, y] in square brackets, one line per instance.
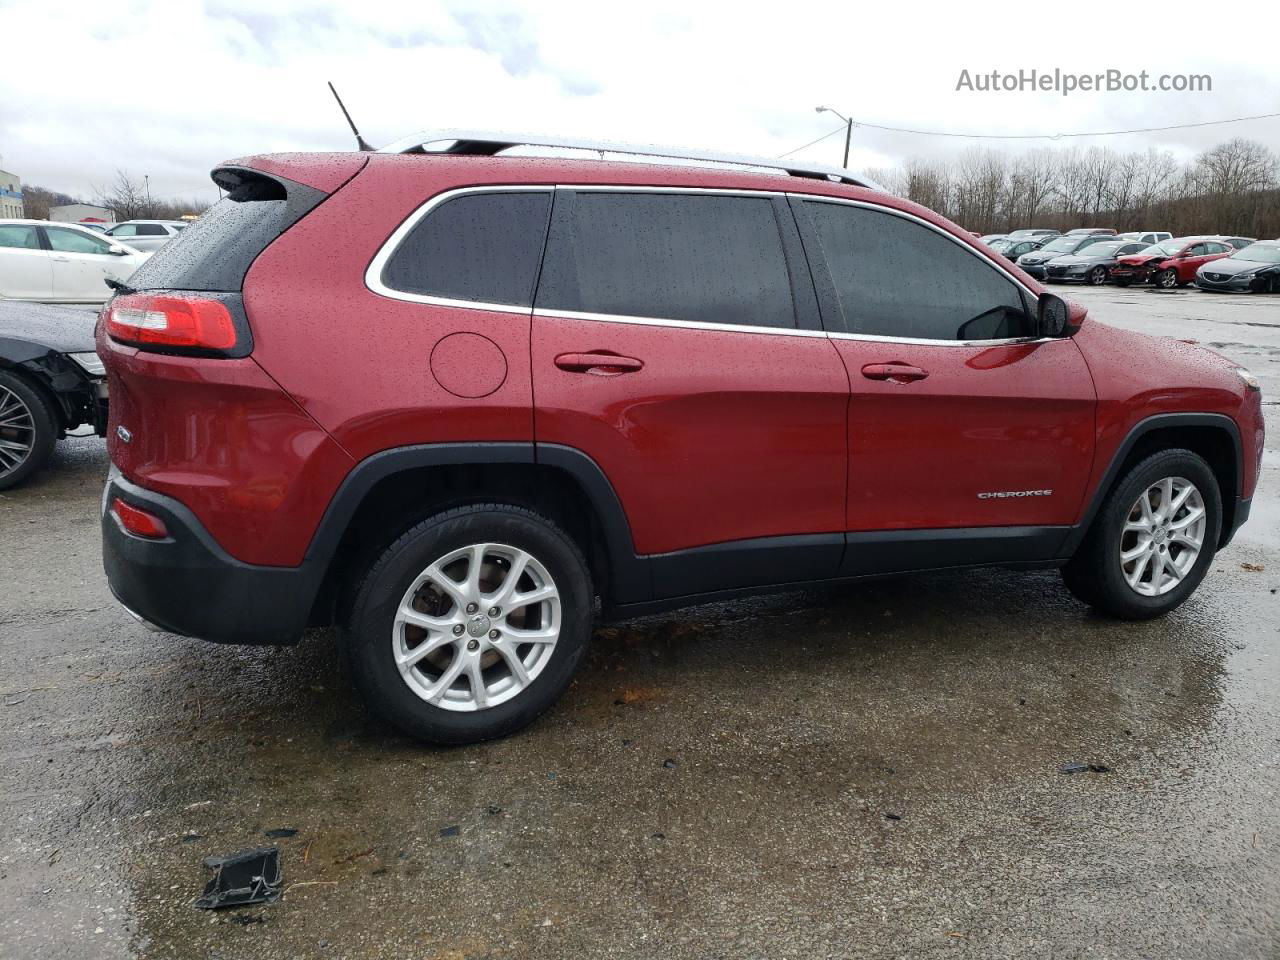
[215, 252]
[698, 257]
[482, 247]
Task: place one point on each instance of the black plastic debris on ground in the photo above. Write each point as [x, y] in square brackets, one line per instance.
[250, 876]
[1084, 768]
[280, 832]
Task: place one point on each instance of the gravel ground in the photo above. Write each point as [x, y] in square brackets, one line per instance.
[870, 771]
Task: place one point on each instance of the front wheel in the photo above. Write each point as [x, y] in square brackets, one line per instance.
[1152, 540]
[1097, 276]
[471, 624]
[1167, 279]
[28, 430]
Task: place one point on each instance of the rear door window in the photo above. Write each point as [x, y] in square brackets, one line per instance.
[898, 278]
[124, 230]
[152, 230]
[704, 258]
[478, 247]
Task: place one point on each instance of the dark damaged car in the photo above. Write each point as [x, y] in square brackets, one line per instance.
[51, 382]
[1093, 264]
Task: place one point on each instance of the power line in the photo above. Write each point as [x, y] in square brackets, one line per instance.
[838, 129]
[1037, 136]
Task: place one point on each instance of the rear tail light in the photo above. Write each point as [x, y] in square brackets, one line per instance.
[138, 521]
[162, 321]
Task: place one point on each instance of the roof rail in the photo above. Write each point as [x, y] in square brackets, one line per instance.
[488, 143]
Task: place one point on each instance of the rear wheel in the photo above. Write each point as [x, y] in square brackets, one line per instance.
[1097, 276]
[471, 624]
[28, 430]
[1153, 539]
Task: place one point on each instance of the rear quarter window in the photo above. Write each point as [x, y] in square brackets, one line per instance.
[477, 247]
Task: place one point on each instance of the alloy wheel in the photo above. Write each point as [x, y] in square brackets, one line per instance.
[1167, 279]
[17, 431]
[476, 627]
[1097, 276]
[1162, 536]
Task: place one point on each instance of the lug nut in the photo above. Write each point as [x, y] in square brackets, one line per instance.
[494, 634]
[472, 607]
[495, 611]
[473, 644]
[457, 629]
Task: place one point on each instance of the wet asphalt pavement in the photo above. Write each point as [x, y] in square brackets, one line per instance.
[864, 771]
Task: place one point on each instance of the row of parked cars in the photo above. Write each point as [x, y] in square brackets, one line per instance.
[68, 262]
[1097, 256]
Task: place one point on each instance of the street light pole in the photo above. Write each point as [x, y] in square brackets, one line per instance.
[848, 130]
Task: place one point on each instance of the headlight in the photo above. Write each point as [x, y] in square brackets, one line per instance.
[1250, 381]
[90, 363]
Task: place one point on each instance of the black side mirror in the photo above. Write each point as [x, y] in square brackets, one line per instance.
[1053, 316]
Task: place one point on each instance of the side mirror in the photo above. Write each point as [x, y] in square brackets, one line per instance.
[117, 251]
[1057, 318]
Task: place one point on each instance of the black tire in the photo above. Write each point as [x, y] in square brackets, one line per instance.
[1097, 276]
[1094, 574]
[34, 424]
[1166, 279]
[368, 637]
[1122, 281]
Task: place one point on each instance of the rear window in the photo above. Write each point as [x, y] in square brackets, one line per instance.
[694, 257]
[480, 247]
[215, 252]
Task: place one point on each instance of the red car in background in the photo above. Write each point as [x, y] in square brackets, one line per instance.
[1172, 263]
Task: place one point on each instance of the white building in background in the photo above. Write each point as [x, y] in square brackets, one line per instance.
[10, 194]
[76, 212]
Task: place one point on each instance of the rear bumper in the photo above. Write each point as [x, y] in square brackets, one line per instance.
[187, 584]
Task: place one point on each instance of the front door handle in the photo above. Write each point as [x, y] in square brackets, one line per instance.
[895, 371]
[601, 364]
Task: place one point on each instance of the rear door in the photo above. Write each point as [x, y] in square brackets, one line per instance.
[676, 342]
[25, 271]
[959, 421]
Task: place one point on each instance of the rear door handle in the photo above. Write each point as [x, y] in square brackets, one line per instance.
[63, 259]
[895, 371]
[601, 364]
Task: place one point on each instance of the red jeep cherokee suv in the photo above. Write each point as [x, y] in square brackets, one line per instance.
[451, 399]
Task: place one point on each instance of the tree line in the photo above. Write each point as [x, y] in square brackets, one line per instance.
[1230, 189]
[126, 197]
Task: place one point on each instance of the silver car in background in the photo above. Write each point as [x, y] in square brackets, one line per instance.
[147, 235]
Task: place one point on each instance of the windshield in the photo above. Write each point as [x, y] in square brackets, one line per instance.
[1061, 245]
[1000, 244]
[1166, 249]
[1259, 253]
[1105, 249]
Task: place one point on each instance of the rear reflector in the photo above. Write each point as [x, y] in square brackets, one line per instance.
[139, 522]
[147, 320]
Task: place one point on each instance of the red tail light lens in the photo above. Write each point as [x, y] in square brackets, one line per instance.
[139, 522]
[167, 321]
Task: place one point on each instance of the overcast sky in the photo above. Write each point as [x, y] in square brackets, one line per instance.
[169, 88]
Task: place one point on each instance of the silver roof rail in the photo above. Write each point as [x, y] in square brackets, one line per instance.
[488, 143]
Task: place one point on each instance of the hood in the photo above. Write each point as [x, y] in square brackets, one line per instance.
[1071, 259]
[60, 329]
[1231, 266]
[1138, 259]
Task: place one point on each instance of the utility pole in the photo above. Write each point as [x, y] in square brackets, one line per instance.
[146, 179]
[848, 130]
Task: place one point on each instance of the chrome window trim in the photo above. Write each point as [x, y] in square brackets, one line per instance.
[373, 274]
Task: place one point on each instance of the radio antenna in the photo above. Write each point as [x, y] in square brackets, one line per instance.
[360, 141]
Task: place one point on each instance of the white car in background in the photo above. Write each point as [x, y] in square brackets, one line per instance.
[148, 235]
[60, 262]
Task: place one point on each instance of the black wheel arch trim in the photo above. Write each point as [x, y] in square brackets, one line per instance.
[628, 573]
[1160, 421]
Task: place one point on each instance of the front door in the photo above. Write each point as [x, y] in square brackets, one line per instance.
[676, 343]
[81, 263]
[959, 422]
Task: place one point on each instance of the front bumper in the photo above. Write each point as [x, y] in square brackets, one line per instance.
[1132, 274]
[1233, 283]
[187, 584]
[1036, 270]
